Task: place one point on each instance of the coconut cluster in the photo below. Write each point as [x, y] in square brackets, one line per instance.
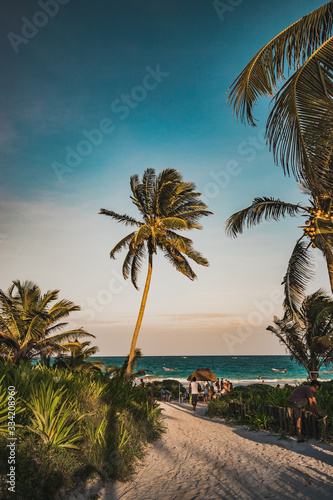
[309, 229]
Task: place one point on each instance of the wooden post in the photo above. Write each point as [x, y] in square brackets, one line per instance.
[314, 427]
[307, 423]
[289, 419]
[323, 430]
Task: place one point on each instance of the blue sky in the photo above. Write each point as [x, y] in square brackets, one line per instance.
[169, 65]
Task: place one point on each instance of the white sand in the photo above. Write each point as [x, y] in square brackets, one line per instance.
[203, 458]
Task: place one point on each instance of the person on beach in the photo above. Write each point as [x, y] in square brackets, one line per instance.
[206, 394]
[300, 397]
[217, 385]
[194, 389]
[163, 394]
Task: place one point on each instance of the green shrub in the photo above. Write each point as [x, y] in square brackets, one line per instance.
[119, 421]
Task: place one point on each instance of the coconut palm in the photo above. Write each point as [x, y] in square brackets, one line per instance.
[78, 360]
[166, 204]
[317, 232]
[300, 125]
[310, 345]
[29, 322]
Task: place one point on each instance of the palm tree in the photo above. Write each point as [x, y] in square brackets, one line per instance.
[317, 232]
[166, 204]
[80, 352]
[300, 125]
[310, 345]
[28, 323]
[120, 371]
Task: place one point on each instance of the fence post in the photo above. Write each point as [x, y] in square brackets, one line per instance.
[323, 430]
[289, 419]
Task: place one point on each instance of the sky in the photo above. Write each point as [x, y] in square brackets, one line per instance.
[96, 91]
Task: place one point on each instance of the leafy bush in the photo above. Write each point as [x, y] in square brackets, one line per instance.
[170, 385]
[119, 421]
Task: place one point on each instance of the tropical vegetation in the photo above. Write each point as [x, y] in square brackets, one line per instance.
[310, 341]
[300, 125]
[78, 359]
[167, 204]
[31, 323]
[71, 425]
[258, 396]
[317, 232]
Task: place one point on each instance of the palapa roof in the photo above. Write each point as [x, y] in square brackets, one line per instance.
[202, 375]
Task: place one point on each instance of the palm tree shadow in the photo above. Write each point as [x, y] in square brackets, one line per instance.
[314, 449]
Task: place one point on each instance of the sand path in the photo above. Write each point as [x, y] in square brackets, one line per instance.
[204, 459]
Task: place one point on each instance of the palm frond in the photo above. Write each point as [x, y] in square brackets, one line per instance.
[300, 125]
[149, 180]
[292, 47]
[70, 335]
[137, 264]
[125, 219]
[299, 273]
[174, 223]
[261, 208]
[138, 197]
[179, 262]
[122, 244]
[127, 264]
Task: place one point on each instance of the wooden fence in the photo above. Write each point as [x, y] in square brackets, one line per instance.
[284, 418]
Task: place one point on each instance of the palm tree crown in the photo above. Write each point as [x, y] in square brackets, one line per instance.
[29, 322]
[310, 345]
[317, 232]
[167, 204]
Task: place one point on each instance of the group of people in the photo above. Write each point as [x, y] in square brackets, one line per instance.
[210, 390]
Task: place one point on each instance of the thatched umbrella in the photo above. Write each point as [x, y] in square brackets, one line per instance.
[202, 375]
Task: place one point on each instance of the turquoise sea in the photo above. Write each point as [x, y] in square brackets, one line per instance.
[237, 369]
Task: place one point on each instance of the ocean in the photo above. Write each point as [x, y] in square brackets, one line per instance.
[240, 370]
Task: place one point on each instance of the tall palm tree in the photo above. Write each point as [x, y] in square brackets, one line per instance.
[310, 345]
[166, 204]
[300, 125]
[29, 322]
[317, 232]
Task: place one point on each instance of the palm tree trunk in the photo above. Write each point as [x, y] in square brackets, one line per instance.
[140, 317]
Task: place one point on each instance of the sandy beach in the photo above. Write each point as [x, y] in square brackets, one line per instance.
[199, 458]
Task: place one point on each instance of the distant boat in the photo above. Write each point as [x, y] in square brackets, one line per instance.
[170, 369]
[281, 371]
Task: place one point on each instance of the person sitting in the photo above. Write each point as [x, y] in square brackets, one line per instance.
[167, 396]
[163, 394]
